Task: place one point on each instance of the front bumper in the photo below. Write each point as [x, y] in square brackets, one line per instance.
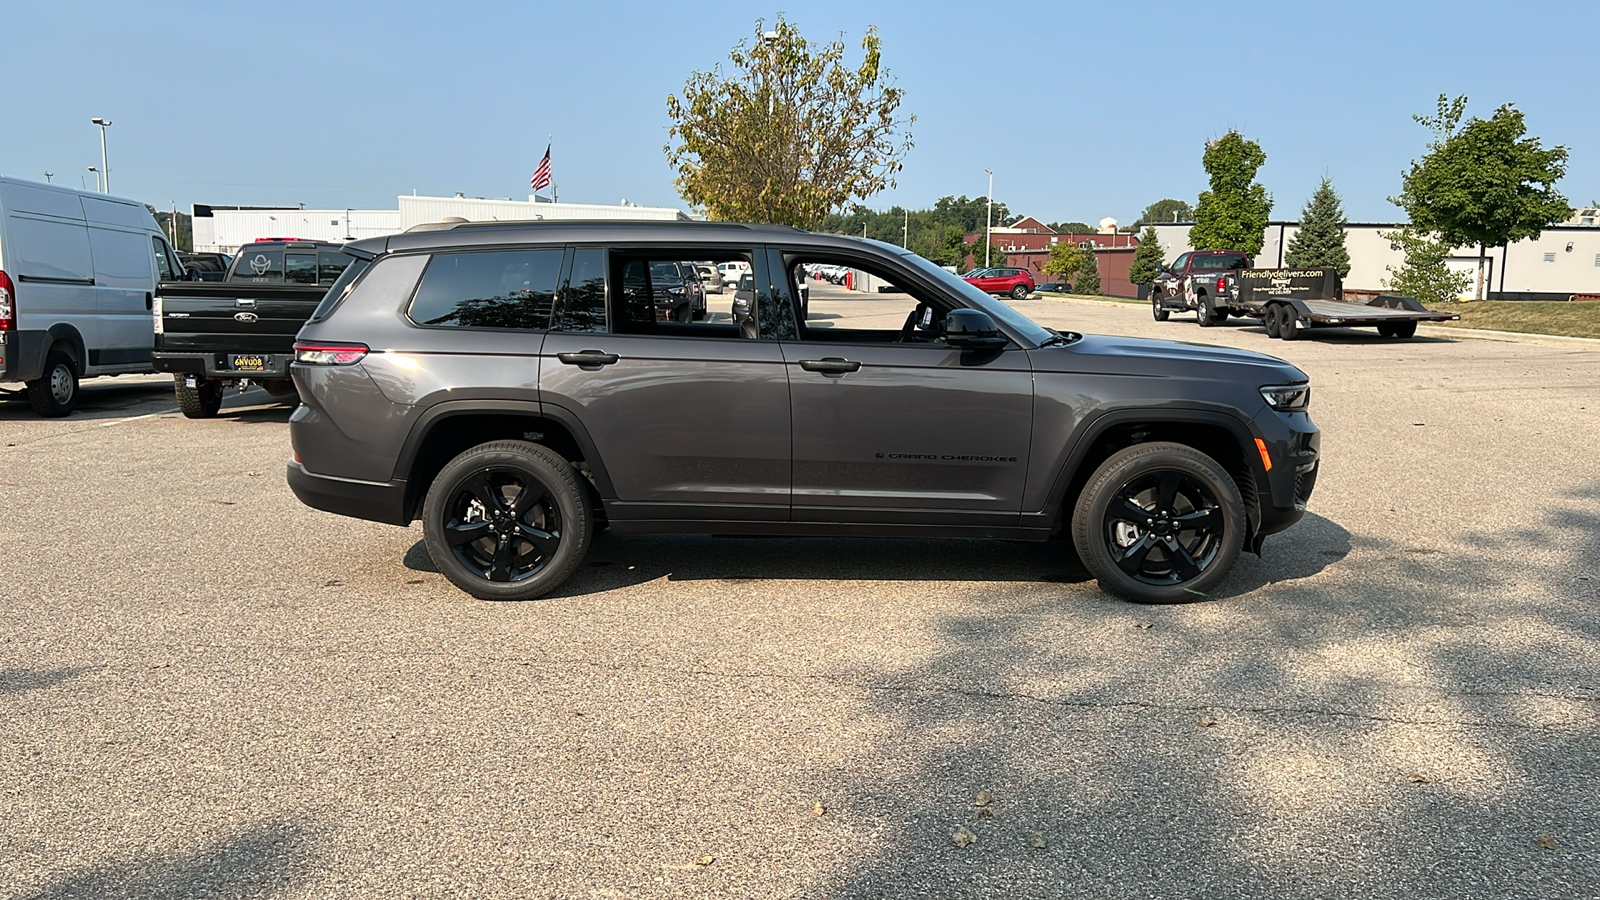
[1294, 445]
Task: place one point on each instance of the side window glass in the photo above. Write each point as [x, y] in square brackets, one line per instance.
[1177, 266]
[661, 292]
[583, 302]
[494, 289]
[163, 262]
[868, 307]
[330, 265]
[300, 268]
[259, 266]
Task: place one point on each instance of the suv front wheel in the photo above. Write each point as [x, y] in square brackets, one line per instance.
[1019, 292]
[507, 520]
[1159, 523]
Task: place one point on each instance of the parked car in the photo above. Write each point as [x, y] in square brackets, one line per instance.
[206, 266]
[1162, 461]
[710, 277]
[78, 271]
[1018, 283]
[1053, 287]
[241, 330]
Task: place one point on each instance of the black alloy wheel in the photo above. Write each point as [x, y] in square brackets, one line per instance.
[507, 520]
[1159, 523]
[1159, 312]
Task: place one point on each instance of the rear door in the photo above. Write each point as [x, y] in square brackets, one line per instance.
[691, 419]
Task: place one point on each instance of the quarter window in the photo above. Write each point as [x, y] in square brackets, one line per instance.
[494, 289]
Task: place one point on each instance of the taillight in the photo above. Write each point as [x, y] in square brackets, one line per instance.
[313, 353]
[8, 307]
[1222, 282]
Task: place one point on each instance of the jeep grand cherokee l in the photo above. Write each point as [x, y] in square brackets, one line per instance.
[935, 411]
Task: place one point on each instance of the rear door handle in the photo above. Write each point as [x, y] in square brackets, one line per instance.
[588, 358]
[832, 365]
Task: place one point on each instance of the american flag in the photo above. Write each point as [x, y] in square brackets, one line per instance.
[541, 175]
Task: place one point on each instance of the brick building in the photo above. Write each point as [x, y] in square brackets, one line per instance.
[1026, 244]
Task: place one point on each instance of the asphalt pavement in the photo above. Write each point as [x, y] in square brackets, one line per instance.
[209, 690]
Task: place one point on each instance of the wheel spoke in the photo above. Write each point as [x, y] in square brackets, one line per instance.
[460, 533]
[1168, 490]
[503, 558]
[1132, 559]
[485, 493]
[1125, 510]
[527, 498]
[543, 541]
[1182, 561]
[1206, 520]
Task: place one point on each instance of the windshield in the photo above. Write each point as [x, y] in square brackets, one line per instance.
[1017, 322]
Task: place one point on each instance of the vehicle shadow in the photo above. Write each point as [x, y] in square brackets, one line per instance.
[1353, 337]
[619, 562]
[260, 861]
[16, 681]
[102, 399]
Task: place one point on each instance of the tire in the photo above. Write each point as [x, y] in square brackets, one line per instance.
[201, 401]
[1269, 320]
[1405, 330]
[548, 537]
[1020, 292]
[1152, 478]
[1288, 323]
[1203, 314]
[1161, 313]
[55, 393]
[1221, 315]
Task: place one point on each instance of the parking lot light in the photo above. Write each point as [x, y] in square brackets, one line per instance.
[105, 168]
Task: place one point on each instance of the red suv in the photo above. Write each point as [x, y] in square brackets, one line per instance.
[1002, 280]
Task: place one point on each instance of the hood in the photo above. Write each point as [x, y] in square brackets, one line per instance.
[1142, 356]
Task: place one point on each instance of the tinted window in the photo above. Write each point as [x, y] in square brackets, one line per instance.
[1218, 262]
[300, 268]
[258, 265]
[583, 303]
[498, 289]
[163, 264]
[330, 265]
[339, 288]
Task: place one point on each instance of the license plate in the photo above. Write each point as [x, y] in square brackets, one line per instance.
[248, 362]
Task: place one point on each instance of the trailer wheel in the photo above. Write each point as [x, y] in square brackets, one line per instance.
[1404, 330]
[1156, 309]
[1288, 323]
[1269, 319]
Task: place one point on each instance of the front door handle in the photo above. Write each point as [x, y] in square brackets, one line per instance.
[832, 365]
[587, 358]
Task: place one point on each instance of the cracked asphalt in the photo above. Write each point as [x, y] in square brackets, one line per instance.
[208, 690]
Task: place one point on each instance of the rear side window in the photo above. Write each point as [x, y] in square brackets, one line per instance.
[258, 266]
[330, 265]
[583, 303]
[489, 289]
[336, 292]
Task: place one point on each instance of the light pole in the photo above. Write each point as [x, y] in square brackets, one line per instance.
[988, 218]
[97, 179]
[47, 177]
[105, 170]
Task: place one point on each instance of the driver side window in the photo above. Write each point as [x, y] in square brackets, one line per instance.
[842, 301]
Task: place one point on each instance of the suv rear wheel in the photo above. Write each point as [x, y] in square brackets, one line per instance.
[1159, 523]
[507, 520]
[1019, 292]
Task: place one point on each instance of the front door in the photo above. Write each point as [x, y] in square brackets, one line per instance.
[691, 418]
[893, 426]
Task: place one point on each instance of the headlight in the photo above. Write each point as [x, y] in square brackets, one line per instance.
[1287, 397]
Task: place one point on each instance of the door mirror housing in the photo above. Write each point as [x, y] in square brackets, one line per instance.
[972, 329]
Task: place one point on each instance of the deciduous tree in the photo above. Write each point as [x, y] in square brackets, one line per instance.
[1233, 214]
[1320, 240]
[1483, 183]
[1167, 210]
[791, 133]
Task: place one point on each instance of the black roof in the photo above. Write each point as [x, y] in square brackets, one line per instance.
[479, 234]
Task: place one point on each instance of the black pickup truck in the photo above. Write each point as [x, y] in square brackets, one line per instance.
[241, 329]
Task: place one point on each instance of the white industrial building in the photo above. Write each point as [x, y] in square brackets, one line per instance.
[224, 229]
[1562, 262]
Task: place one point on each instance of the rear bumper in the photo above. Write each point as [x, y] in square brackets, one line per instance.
[216, 365]
[371, 500]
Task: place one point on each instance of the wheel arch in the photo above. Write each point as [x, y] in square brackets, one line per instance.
[449, 428]
[1223, 437]
[63, 334]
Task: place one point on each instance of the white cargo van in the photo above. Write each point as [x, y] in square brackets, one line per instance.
[78, 272]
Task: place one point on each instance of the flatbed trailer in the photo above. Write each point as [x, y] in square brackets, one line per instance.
[1290, 301]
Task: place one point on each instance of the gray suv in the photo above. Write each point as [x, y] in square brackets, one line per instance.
[516, 386]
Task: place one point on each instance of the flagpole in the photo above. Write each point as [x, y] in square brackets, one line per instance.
[550, 144]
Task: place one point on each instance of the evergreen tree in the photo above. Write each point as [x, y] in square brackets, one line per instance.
[1320, 240]
[1088, 281]
[1424, 274]
[1147, 259]
[1233, 214]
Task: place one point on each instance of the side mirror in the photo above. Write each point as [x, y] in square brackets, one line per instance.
[972, 329]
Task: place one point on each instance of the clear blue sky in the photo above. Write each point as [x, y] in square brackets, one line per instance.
[1083, 110]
